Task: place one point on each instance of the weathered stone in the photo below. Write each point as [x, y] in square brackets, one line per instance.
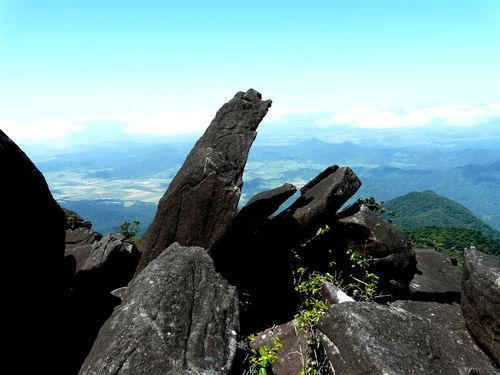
[32, 226]
[322, 197]
[201, 201]
[366, 233]
[292, 357]
[437, 279]
[179, 317]
[481, 300]
[80, 237]
[333, 295]
[408, 337]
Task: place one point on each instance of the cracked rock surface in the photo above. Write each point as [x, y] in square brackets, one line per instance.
[201, 201]
[179, 317]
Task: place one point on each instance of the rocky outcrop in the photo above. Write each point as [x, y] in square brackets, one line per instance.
[178, 317]
[201, 201]
[366, 233]
[334, 295]
[408, 337]
[437, 279]
[33, 227]
[75, 221]
[481, 300]
[294, 348]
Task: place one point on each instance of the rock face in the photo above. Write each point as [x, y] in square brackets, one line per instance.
[322, 197]
[178, 317]
[75, 221]
[405, 338]
[33, 227]
[99, 268]
[202, 199]
[481, 300]
[366, 233]
[294, 351]
[437, 278]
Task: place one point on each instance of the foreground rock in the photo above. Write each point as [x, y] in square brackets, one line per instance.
[365, 232]
[481, 300]
[405, 338]
[437, 278]
[202, 199]
[179, 317]
[33, 227]
[292, 357]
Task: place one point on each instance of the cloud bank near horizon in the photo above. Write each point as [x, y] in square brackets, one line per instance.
[195, 122]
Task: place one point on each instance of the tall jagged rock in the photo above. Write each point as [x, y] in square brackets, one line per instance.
[33, 231]
[202, 199]
[179, 317]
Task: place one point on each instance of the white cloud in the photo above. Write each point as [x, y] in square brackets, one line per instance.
[279, 114]
[168, 123]
[41, 129]
[390, 117]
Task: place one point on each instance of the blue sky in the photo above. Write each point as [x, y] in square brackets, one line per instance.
[165, 67]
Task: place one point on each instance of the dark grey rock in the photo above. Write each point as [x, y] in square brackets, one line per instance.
[292, 357]
[179, 317]
[408, 337]
[32, 226]
[322, 197]
[437, 279]
[481, 300]
[201, 201]
[366, 233]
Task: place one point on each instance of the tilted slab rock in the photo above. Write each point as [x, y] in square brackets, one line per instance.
[202, 199]
[33, 227]
[178, 317]
[437, 278]
[365, 232]
[322, 197]
[481, 300]
[265, 203]
[408, 337]
[80, 237]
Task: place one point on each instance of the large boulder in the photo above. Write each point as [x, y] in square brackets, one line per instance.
[178, 317]
[363, 231]
[481, 300]
[201, 201]
[408, 337]
[437, 279]
[33, 228]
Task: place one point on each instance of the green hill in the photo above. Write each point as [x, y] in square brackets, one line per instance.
[428, 209]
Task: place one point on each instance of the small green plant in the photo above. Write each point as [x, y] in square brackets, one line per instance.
[129, 230]
[264, 358]
[365, 286]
